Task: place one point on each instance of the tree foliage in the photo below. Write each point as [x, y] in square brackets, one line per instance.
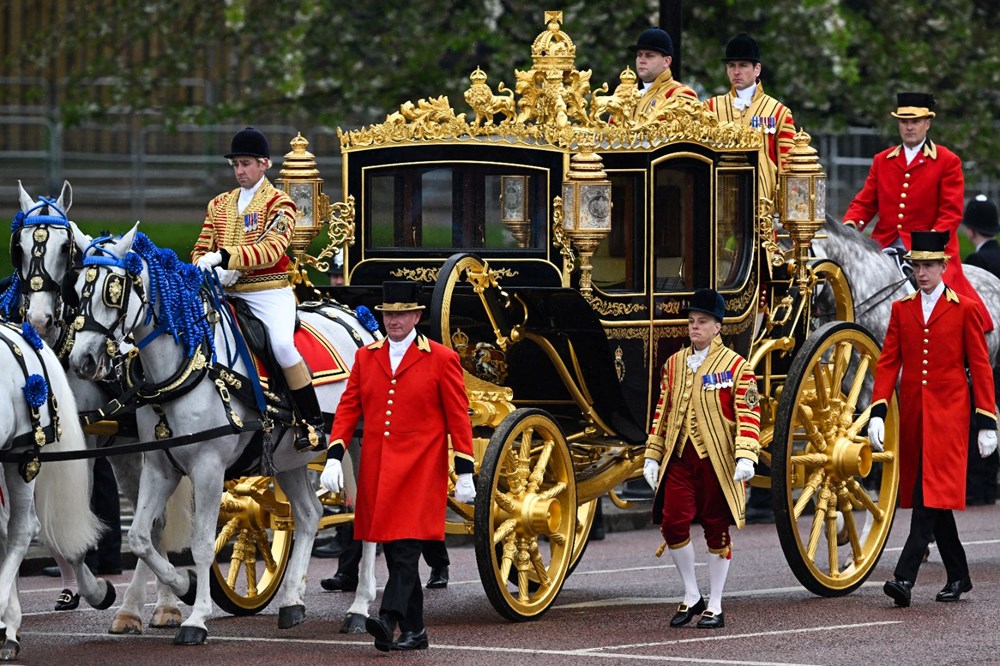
[834, 62]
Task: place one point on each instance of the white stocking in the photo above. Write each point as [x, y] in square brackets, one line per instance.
[684, 561]
[68, 574]
[718, 569]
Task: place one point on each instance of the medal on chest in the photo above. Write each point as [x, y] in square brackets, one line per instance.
[250, 222]
[716, 380]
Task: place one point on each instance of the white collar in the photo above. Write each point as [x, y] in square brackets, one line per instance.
[403, 344]
[913, 152]
[934, 295]
[245, 191]
[747, 93]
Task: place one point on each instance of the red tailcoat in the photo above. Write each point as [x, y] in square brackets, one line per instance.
[934, 394]
[928, 194]
[403, 479]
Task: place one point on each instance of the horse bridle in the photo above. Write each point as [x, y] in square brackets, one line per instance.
[37, 278]
[116, 293]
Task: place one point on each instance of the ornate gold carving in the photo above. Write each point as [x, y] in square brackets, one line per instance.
[613, 309]
[485, 103]
[737, 327]
[619, 333]
[36, 283]
[620, 363]
[422, 274]
[40, 235]
[740, 302]
[668, 307]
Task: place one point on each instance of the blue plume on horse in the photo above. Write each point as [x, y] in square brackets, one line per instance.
[366, 318]
[17, 222]
[29, 333]
[36, 390]
[11, 296]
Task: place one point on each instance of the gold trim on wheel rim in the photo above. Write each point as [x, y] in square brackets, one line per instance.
[835, 496]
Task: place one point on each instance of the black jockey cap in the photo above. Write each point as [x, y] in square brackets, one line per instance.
[981, 215]
[654, 39]
[914, 105]
[742, 47]
[928, 246]
[250, 142]
[708, 301]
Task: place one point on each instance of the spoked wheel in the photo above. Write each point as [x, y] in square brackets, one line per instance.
[256, 532]
[526, 515]
[584, 523]
[834, 497]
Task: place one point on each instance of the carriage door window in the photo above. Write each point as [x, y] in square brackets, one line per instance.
[681, 229]
[734, 212]
[618, 264]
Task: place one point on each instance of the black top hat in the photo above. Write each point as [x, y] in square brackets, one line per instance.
[981, 215]
[928, 246]
[709, 301]
[400, 296]
[249, 142]
[654, 39]
[914, 105]
[742, 47]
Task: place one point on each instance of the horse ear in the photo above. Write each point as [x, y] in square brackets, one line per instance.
[80, 239]
[26, 202]
[65, 200]
[124, 244]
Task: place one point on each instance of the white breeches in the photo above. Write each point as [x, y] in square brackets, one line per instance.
[276, 308]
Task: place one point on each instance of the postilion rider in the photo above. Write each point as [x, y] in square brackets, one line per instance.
[245, 236]
[701, 450]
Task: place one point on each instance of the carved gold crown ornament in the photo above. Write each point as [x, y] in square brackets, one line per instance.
[802, 200]
[552, 104]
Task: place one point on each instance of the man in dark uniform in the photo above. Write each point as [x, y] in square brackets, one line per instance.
[654, 51]
[981, 226]
[933, 335]
[412, 391]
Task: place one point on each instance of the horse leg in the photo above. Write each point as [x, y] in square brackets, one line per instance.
[167, 612]
[306, 510]
[364, 597]
[158, 480]
[21, 528]
[128, 619]
[12, 622]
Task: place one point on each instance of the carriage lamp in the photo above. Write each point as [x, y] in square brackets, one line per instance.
[300, 179]
[586, 194]
[514, 208]
[802, 198]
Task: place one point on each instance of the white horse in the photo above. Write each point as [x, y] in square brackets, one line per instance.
[130, 287]
[46, 248]
[60, 491]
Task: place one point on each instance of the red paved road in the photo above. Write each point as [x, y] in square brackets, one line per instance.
[612, 610]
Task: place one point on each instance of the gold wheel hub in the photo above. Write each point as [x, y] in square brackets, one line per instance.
[851, 458]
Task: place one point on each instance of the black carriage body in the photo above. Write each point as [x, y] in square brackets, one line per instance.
[683, 218]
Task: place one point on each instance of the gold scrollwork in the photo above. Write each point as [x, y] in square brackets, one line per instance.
[340, 232]
[641, 334]
[613, 309]
[740, 302]
[421, 274]
[668, 307]
[738, 327]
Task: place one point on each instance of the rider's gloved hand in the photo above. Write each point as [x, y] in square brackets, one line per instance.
[332, 478]
[208, 261]
[465, 489]
[651, 470]
[876, 433]
[987, 442]
[744, 470]
[227, 278]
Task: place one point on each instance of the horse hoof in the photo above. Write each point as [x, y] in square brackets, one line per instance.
[354, 623]
[126, 623]
[191, 636]
[192, 591]
[166, 617]
[109, 597]
[10, 650]
[289, 616]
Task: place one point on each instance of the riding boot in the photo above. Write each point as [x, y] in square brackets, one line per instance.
[310, 434]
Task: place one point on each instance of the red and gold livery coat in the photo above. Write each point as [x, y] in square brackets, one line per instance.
[255, 239]
[728, 417]
[409, 416]
[934, 393]
[662, 89]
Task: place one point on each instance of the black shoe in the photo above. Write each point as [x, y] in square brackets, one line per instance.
[309, 433]
[52, 571]
[382, 628]
[330, 549]
[685, 613]
[954, 589]
[899, 590]
[412, 640]
[438, 579]
[339, 583]
[710, 620]
[67, 601]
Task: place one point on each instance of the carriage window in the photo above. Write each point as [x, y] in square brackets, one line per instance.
[461, 207]
[734, 228]
[681, 225]
[618, 264]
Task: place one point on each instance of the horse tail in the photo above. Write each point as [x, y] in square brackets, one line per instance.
[62, 489]
[179, 519]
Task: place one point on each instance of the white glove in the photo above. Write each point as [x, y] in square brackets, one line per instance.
[876, 433]
[987, 442]
[332, 478]
[465, 489]
[744, 470]
[227, 278]
[210, 260]
[651, 470]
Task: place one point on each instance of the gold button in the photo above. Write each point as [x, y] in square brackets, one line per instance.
[687, 395]
[689, 382]
[906, 175]
[393, 382]
[388, 412]
[899, 226]
[386, 433]
[900, 216]
[902, 205]
[906, 184]
[927, 330]
[922, 372]
[903, 195]
[387, 423]
[925, 351]
[925, 361]
[392, 391]
[924, 382]
[389, 402]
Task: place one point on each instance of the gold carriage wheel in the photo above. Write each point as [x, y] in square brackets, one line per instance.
[834, 497]
[444, 287]
[843, 299]
[526, 530]
[253, 545]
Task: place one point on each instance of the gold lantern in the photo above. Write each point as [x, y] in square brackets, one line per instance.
[586, 201]
[802, 198]
[514, 208]
[300, 179]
